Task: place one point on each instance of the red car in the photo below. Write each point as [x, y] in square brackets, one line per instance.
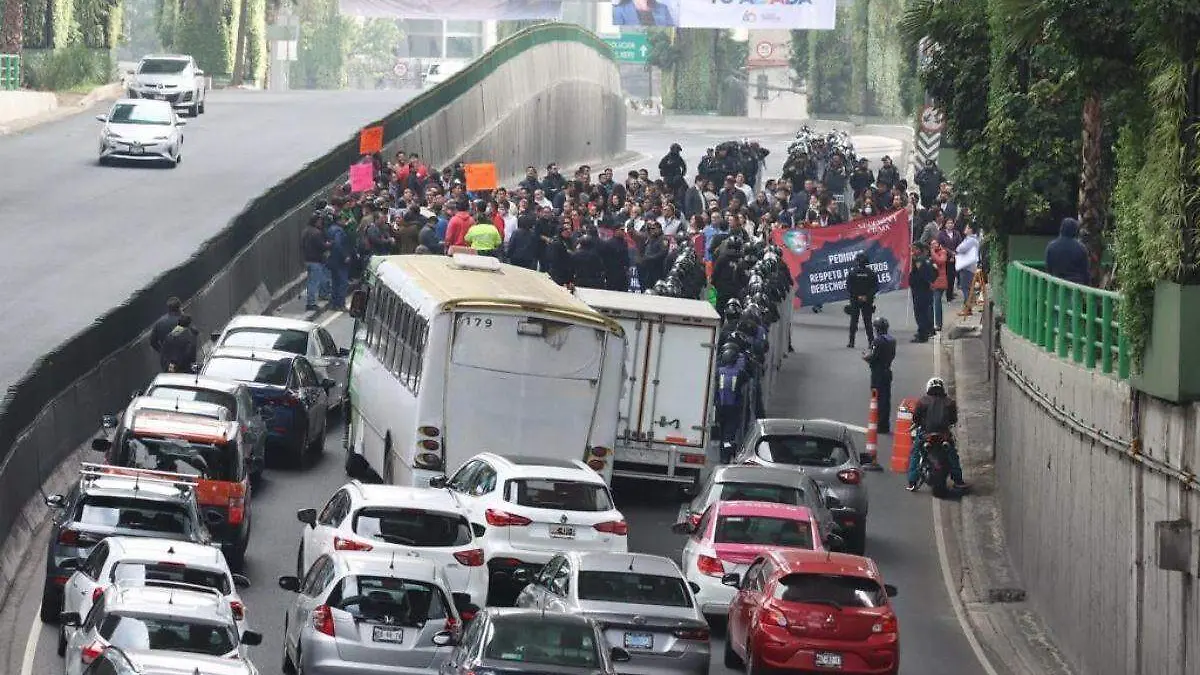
[808, 611]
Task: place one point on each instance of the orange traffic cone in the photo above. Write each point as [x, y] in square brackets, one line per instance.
[902, 438]
[873, 432]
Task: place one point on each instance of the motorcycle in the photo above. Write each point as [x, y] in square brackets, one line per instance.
[933, 468]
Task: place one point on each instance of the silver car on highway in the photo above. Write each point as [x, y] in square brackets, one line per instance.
[141, 130]
[641, 602]
[366, 613]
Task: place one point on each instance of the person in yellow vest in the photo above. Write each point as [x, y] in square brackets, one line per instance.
[485, 238]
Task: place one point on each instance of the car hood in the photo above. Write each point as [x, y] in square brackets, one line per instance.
[623, 613]
[139, 132]
[186, 663]
[165, 78]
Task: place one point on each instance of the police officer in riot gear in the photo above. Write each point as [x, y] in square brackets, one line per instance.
[862, 285]
[730, 398]
[879, 359]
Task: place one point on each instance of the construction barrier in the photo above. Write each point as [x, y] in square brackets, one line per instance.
[902, 438]
[873, 431]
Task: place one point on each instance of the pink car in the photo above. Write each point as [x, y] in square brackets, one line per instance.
[731, 535]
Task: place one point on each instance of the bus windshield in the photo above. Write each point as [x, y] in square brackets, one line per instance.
[510, 343]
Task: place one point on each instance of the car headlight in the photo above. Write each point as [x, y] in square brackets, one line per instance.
[111, 136]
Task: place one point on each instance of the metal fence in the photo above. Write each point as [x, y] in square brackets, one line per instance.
[10, 71]
[1074, 321]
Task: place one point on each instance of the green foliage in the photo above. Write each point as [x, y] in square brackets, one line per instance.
[206, 31]
[690, 81]
[829, 70]
[664, 54]
[325, 40]
[167, 23]
[373, 51]
[256, 42]
[798, 54]
[75, 65]
[956, 74]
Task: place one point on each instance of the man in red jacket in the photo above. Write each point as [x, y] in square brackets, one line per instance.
[460, 222]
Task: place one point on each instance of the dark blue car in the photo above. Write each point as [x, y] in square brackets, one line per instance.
[292, 399]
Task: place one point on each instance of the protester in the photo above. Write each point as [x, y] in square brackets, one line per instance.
[938, 257]
[966, 260]
[179, 348]
[166, 323]
[1066, 256]
[315, 248]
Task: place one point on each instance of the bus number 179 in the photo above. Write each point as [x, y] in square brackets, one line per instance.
[477, 322]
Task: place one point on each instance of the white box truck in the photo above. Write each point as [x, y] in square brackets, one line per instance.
[667, 408]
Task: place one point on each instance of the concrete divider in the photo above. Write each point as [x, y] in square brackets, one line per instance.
[17, 105]
[548, 94]
[1101, 509]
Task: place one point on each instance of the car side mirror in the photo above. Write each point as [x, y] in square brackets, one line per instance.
[521, 575]
[69, 618]
[444, 639]
[241, 580]
[108, 421]
[732, 579]
[890, 590]
[832, 502]
[251, 638]
[70, 564]
[101, 444]
[290, 583]
[620, 655]
[214, 336]
[101, 118]
[683, 528]
[835, 542]
[343, 352]
[478, 530]
[328, 383]
[438, 482]
[56, 501]
[307, 516]
[136, 393]
[694, 586]
[358, 303]
[865, 458]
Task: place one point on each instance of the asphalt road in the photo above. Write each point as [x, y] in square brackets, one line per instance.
[821, 379]
[75, 235]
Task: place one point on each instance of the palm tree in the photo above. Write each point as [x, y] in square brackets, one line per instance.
[1097, 38]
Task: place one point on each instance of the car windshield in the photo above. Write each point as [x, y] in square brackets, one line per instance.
[248, 370]
[845, 591]
[761, 492]
[633, 588]
[130, 631]
[412, 527]
[202, 460]
[139, 573]
[133, 514]
[294, 341]
[174, 393]
[552, 643]
[764, 530]
[807, 450]
[561, 495]
[402, 602]
[162, 66]
[140, 113]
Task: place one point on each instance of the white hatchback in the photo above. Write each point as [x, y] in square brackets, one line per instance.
[528, 509]
[414, 522]
[139, 561]
[141, 130]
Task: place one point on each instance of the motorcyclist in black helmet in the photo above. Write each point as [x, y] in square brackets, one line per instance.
[936, 413]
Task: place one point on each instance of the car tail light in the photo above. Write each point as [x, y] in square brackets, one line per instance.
[238, 609]
[503, 519]
[97, 592]
[617, 527]
[237, 509]
[91, 652]
[68, 537]
[710, 566]
[340, 544]
[694, 519]
[850, 476]
[776, 617]
[692, 459]
[471, 558]
[887, 624]
[451, 624]
[697, 634]
[322, 620]
[59, 581]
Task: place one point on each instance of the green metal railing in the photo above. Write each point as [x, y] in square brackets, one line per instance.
[10, 71]
[1074, 321]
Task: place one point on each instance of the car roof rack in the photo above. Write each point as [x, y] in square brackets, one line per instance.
[90, 472]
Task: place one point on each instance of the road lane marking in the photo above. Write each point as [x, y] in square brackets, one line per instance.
[31, 645]
[331, 318]
[939, 535]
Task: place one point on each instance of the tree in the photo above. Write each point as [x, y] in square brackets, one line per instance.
[12, 26]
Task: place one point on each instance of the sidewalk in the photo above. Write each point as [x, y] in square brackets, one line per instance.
[65, 105]
[1006, 628]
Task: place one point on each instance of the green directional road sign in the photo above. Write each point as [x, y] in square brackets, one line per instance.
[630, 48]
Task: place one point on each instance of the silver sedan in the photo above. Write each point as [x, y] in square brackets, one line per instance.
[141, 130]
[642, 603]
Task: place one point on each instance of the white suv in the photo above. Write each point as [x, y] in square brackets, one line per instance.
[528, 509]
[417, 522]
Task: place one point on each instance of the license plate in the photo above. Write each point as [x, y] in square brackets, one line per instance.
[562, 531]
[827, 660]
[639, 641]
[159, 97]
[137, 150]
[388, 634]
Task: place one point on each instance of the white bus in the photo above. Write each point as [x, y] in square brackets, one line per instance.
[456, 356]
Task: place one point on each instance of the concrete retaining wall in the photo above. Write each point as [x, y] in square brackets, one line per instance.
[548, 94]
[1080, 511]
[17, 105]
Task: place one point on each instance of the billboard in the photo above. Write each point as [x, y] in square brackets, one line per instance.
[475, 10]
[757, 14]
[820, 259]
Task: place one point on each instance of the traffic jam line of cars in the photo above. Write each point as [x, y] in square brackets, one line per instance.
[398, 579]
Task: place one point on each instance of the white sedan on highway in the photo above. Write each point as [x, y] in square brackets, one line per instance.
[141, 130]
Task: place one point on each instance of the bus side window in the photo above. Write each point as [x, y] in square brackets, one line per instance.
[400, 358]
[387, 345]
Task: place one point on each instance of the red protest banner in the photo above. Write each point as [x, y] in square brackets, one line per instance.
[370, 140]
[820, 259]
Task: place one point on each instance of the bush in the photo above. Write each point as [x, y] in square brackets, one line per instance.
[72, 66]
